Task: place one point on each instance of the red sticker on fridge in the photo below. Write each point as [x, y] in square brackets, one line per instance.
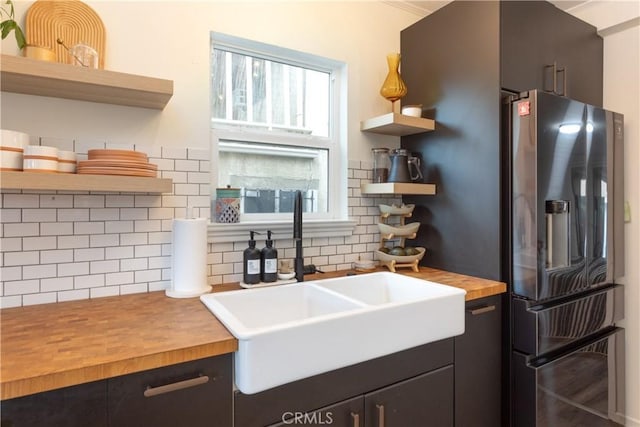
[524, 108]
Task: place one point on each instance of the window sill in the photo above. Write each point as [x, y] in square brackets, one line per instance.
[236, 232]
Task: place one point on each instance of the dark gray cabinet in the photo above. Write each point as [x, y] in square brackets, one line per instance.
[478, 365]
[420, 401]
[535, 35]
[194, 394]
[78, 406]
[411, 387]
[459, 62]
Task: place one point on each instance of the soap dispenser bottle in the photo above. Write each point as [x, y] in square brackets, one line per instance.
[251, 262]
[269, 261]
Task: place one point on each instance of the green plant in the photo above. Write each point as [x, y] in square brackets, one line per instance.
[9, 24]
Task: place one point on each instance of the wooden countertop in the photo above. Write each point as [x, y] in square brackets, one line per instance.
[49, 346]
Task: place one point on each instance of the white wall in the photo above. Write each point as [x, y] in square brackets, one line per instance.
[170, 39]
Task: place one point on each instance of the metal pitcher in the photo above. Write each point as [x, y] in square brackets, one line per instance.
[403, 166]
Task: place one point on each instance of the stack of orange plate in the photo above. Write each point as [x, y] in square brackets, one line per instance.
[117, 162]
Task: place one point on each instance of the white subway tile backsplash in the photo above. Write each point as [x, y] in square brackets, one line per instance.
[145, 201]
[88, 281]
[41, 298]
[112, 244]
[21, 258]
[137, 288]
[119, 201]
[72, 242]
[104, 214]
[145, 226]
[92, 254]
[21, 287]
[10, 215]
[118, 227]
[73, 269]
[10, 244]
[88, 228]
[143, 251]
[88, 201]
[118, 252]
[107, 291]
[108, 266]
[127, 239]
[39, 243]
[56, 284]
[121, 278]
[20, 201]
[56, 228]
[147, 275]
[56, 201]
[78, 294]
[39, 271]
[10, 273]
[21, 229]
[56, 256]
[65, 215]
[133, 264]
[134, 213]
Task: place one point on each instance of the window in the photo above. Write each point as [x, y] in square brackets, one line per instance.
[277, 127]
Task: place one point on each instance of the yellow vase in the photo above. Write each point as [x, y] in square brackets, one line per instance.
[393, 87]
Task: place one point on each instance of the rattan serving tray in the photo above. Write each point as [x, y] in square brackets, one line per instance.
[70, 20]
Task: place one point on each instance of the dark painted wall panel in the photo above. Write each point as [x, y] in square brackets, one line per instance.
[451, 65]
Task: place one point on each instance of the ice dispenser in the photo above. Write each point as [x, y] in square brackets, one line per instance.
[557, 216]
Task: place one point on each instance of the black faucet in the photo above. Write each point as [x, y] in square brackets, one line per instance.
[297, 236]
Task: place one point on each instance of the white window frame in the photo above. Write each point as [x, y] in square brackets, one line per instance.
[335, 221]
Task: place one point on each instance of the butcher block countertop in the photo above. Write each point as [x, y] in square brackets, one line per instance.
[49, 346]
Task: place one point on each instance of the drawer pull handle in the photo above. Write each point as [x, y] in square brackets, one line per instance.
[481, 310]
[356, 419]
[155, 391]
[380, 415]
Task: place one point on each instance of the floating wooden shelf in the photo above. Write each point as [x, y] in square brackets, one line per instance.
[84, 182]
[398, 188]
[35, 77]
[397, 124]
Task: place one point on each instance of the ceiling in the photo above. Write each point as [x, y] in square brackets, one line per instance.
[424, 8]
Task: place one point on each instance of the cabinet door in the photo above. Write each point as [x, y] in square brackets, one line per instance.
[536, 33]
[78, 406]
[478, 365]
[348, 413]
[197, 393]
[426, 400]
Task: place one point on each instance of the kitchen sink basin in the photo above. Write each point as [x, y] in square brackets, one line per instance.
[289, 332]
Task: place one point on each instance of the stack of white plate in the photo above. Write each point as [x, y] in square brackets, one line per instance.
[12, 145]
[117, 162]
[67, 161]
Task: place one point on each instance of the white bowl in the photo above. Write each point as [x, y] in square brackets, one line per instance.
[396, 210]
[41, 151]
[67, 161]
[40, 165]
[12, 138]
[399, 230]
[40, 158]
[10, 160]
[412, 110]
[382, 256]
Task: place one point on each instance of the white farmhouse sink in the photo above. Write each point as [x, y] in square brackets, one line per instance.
[290, 332]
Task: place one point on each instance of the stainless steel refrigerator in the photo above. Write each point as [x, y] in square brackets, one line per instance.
[567, 250]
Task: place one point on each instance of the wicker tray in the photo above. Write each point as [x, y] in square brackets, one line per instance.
[70, 20]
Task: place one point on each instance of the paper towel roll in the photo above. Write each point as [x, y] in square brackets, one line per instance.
[188, 258]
